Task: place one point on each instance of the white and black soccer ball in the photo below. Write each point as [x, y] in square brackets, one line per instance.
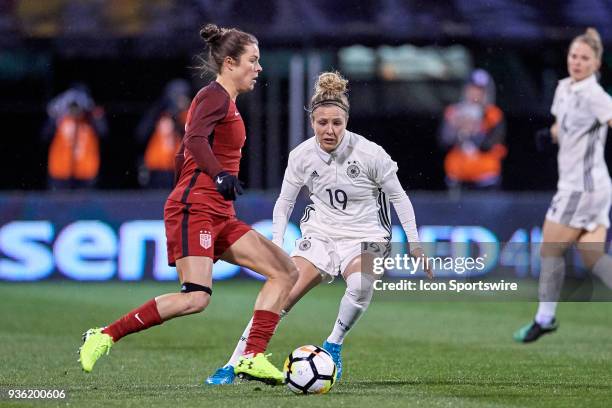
[309, 370]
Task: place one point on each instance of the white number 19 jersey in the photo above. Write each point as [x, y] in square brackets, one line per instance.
[344, 187]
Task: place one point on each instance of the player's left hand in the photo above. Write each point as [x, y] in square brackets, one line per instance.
[228, 185]
[419, 253]
[544, 140]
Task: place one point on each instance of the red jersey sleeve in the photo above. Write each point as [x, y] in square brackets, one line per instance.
[207, 111]
[179, 161]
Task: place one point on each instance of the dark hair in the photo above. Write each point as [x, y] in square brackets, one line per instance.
[223, 42]
[330, 89]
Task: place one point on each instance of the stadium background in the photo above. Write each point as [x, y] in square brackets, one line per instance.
[126, 51]
[403, 352]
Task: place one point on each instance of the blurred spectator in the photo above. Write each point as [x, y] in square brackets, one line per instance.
[473, 132]
[161, 130]
[410, 63]
[74, 128]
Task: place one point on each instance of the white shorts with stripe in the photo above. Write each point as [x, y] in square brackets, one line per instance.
[327, 251]
[581, 209]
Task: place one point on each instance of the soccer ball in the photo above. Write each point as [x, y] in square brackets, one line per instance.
[309, 370]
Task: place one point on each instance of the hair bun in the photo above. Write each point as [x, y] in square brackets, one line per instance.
[331, 82]
[210, 33]
[593, 33]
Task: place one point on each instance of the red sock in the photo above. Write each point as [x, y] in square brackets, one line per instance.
[136, 320]
[262, 329]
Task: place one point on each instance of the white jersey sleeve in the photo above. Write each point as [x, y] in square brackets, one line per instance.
[554, 108]
[403, 207]
[385, 175]
[292, 184]
[384, 167]
[601, 105]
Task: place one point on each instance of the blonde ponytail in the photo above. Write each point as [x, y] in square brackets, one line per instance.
[592, 38]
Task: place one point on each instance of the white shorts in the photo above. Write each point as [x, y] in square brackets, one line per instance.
[326, 247]
[581, 209]
[332, 256]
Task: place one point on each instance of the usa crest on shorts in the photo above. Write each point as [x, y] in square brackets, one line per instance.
[205, 239]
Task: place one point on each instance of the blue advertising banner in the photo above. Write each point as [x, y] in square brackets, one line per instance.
[99, 236]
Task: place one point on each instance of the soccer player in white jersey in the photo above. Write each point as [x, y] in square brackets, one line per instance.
[351, 181]
[579, 212]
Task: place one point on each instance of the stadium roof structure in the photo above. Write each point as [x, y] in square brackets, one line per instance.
[159, 24]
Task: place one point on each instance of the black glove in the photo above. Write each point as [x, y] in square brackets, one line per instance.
[543, 140]
[227, 185]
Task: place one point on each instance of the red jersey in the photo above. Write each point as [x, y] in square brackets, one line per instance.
[214, 136]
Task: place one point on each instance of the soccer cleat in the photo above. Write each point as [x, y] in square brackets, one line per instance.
[223, 375]
[533, 331]
[334, 350]
[95, 345]
[258, 368]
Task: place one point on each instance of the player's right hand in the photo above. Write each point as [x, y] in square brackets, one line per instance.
[228, 185]
[419, 253]
[544, 140]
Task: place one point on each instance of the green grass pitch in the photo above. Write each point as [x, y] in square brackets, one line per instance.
[400, 354]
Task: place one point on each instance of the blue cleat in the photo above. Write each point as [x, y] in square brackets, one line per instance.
[335, 350]
[224, 375]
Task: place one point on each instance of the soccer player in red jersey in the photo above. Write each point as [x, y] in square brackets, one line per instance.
[201, 224]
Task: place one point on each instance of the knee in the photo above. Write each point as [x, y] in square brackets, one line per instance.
[359, 290]
[292, 273]
[591, 253]
[590, 259]
[549, 249]
[287, 273]
[196, 302]
[360, 297]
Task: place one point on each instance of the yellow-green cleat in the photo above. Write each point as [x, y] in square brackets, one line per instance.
[95, 345]
[258, 368]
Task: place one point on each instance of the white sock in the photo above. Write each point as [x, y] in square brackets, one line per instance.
[552, 274]
[241, 346]
[603, 269]
[546, 313]
[356, 299]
